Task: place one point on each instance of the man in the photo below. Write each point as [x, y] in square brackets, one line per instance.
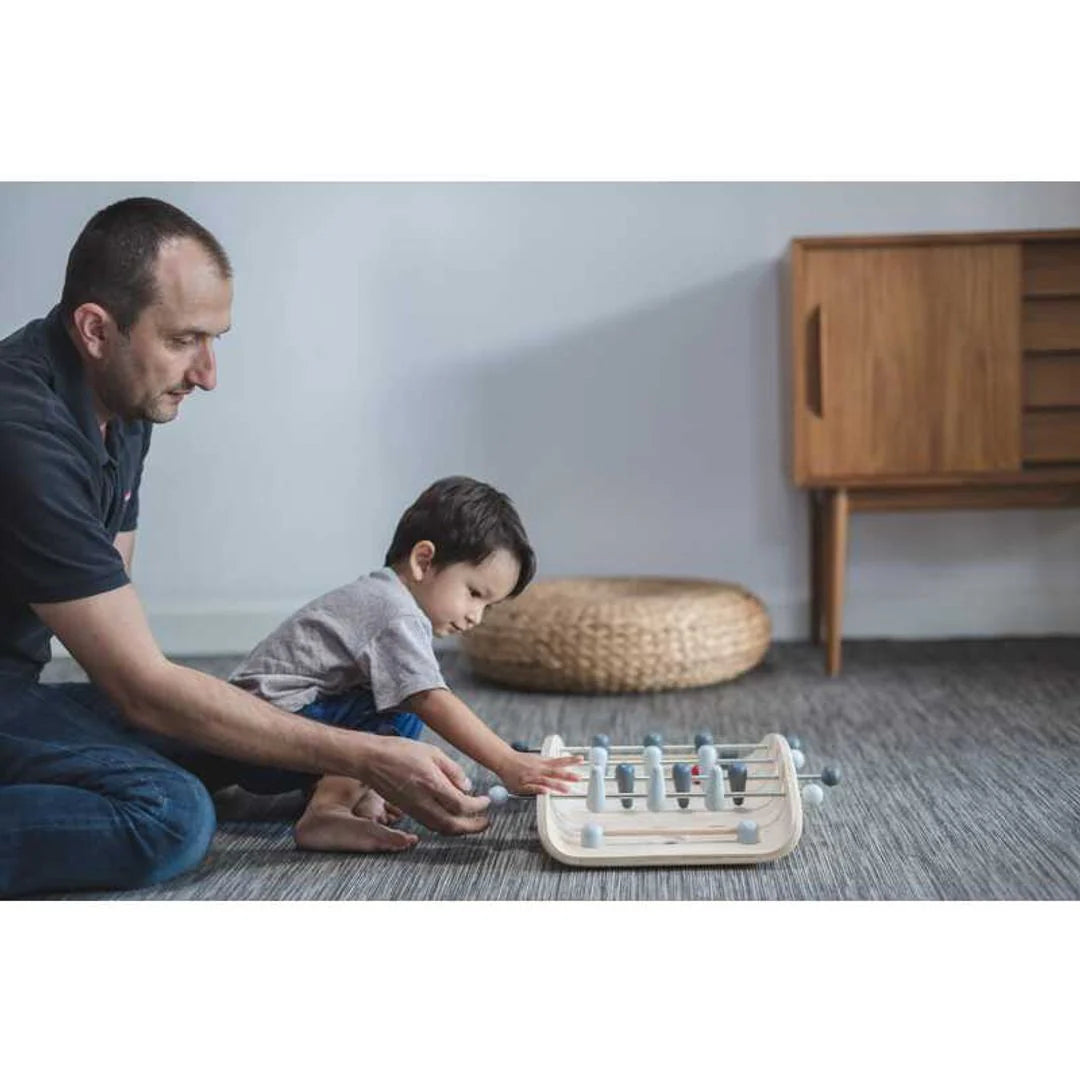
[89, 794]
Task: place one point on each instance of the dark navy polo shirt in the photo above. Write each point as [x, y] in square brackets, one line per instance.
[64, 491]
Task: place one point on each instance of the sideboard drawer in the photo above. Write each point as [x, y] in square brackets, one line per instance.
[1051, 268]
[1052, 382]
[1051, 324]
[1052, 436]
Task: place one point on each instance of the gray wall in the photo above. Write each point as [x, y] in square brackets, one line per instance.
[609, 354]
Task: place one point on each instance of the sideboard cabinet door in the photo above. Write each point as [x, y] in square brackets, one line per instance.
[910, 361]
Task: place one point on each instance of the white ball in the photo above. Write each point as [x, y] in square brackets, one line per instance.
[798, 758]
[747, 831]
[498, 795]
[592, 835]
[812, 795]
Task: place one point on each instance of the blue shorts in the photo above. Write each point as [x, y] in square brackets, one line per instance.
[356, 711]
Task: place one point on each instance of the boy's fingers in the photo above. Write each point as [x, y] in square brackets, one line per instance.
[560, 776]
[545, 786]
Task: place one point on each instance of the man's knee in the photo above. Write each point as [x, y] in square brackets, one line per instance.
[175, 835]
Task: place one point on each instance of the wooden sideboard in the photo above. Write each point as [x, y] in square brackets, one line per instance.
[930, 372]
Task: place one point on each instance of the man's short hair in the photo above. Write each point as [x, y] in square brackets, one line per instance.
[112, 262]
[467, 521]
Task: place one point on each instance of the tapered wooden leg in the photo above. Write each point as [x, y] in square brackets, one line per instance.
[835, 558]
[817, 566]
[825, 522]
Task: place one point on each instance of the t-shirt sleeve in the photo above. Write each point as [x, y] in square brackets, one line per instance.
[53, 546]
[131, 512]
[402, 662]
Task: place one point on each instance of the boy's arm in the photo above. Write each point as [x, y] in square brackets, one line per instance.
[448, 716]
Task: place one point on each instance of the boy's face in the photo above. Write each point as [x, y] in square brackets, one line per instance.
[454, 597]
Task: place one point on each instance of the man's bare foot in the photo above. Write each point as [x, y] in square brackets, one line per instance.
[338, 829]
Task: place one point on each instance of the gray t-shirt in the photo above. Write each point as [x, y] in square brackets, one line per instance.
[370, 633]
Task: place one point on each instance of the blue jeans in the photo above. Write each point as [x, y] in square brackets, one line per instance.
[89, 802]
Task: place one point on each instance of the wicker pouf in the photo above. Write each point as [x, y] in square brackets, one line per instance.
[620, 634]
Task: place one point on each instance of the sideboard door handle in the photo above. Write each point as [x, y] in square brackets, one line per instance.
[815, 373]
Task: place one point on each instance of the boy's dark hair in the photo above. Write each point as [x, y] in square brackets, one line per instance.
[467, 521]
[112, 261]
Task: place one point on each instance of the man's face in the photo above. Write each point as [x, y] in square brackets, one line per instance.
[169, 350]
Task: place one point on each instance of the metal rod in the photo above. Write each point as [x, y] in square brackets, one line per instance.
[700, 779]
[728, 794]
[682, 761]
[680, 747]
[686, 746]
[707, 830]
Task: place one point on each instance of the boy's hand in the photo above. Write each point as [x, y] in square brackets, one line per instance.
[530, 774]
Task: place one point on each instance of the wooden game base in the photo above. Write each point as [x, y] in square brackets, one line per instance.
[675, 836]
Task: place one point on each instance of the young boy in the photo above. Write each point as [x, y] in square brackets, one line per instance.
[361, 656]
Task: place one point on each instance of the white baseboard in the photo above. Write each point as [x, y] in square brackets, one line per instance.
[221, 633]
[206, 633]
[968, 614]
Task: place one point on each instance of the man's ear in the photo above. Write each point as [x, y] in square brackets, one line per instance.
[421, 559]
[93, 326]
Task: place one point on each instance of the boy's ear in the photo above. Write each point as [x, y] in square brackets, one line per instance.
[420, 559]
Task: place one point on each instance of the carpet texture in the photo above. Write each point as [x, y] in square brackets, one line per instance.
[961, 780]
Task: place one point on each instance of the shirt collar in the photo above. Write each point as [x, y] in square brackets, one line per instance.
[71, 383]
[388, 573]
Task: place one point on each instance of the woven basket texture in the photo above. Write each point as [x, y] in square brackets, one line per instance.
[615, 635]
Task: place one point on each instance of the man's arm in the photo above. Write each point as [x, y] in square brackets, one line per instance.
[109, 636]
[125, 544]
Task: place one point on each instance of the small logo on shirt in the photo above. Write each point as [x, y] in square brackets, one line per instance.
[127, 496]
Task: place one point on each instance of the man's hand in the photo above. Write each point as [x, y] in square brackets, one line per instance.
[425, 783]
[530, 774]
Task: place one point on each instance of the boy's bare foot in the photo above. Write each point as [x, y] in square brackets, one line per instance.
[372, 805]
[338, 829]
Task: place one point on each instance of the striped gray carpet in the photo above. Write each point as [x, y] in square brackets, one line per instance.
[961, 763]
